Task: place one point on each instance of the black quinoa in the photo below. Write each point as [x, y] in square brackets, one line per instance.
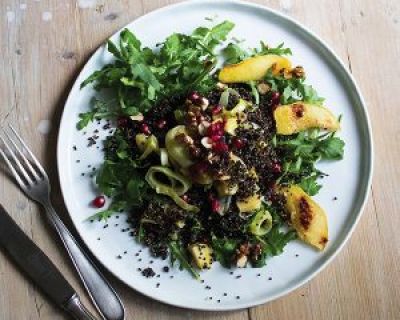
[148, 273]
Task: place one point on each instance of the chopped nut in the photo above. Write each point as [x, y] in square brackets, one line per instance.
[138, 117]
[241, 261]
[221, 86]
[263, 88]
[204, 104]
[244, 248]
[256, 252]
[287, 74]
[202, 127]
[223, 177]
[298, 72]
[206, 142]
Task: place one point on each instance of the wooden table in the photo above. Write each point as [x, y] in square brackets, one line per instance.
[43, 45]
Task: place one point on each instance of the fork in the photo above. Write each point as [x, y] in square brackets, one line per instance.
[34, 182]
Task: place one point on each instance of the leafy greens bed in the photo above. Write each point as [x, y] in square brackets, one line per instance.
[212, 164]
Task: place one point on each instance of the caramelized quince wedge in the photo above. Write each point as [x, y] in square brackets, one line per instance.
[253, 68]
[299, 116]
[307, 217]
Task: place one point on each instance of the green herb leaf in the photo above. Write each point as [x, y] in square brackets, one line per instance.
[233, 53]
[280, 50]
[310, 185]
[224, 250]
[300, 154]
[100, 109]
[178, 253]
[331, 148]
[277, 240]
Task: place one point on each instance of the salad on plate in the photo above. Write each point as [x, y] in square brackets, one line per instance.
[212, 162]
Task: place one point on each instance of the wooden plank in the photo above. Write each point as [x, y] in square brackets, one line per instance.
[372, 30]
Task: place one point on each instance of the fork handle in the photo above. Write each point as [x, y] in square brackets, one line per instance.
[100, 291]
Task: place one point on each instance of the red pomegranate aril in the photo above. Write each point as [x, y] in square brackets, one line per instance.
[216, 129]
[99, 201]
[216, 109]
[161, 123]
[122, 122]
[216, 138]
[238, 143]
[275, 98]
[276, 167]
[194, 97]
[215, 205]
[144, 128]
[220, 147]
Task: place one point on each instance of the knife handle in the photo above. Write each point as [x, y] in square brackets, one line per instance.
[100, 291]
[77, 310]
[32, 260]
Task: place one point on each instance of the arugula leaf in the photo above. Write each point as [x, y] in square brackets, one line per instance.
[104, 215]
[212, 37]
[129, 38]
[292, 89]
[224, 250]
[331, 148]
[100, 109]
[85, 118]
[279, 50]
[112, 48]
[178, 253]
[183, 63]
[300, 153]
[233, 53]
[310, 185]
[142, 71]
[276, 240]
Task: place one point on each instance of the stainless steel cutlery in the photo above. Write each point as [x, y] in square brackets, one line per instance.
[34, 182]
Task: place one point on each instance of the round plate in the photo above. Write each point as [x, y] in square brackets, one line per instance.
[223, 289]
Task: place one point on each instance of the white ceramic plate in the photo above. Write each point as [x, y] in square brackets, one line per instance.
[349, 180]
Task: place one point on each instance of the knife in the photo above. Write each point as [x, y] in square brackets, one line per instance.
[38, 267]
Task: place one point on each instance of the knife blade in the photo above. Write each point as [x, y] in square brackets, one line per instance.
[39, 268]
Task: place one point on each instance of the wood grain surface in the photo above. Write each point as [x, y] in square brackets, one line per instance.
[43, 45]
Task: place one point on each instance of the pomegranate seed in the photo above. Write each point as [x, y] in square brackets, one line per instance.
[215, 205]
[99, 201]
[122, 122]
[276, 167]
[216, 138]
[144, 128]
[216, 129]
[195, 97]
[275, 98]
[216, 109]
[238, 143]
[220, 147]
[161, 123]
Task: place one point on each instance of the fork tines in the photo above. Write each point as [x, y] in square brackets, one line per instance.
[19, 158]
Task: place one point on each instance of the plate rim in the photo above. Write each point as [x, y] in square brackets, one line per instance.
[369, 146]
